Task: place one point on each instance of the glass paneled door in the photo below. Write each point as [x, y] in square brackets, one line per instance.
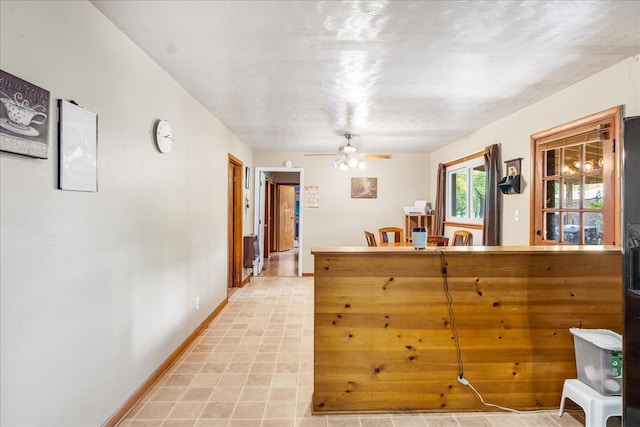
[575, 194]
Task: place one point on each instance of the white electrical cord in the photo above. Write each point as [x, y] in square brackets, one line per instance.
[466, 382]
[461, 379]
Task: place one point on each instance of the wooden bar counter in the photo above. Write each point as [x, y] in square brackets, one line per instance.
[383, 336]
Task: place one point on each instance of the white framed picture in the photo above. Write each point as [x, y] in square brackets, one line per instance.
[78, 164]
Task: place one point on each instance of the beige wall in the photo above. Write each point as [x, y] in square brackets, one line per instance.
[97, 289]
[413, 174]
[617, 85]
[341, 220]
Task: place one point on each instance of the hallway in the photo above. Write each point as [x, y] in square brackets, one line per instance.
[253, 366]
[281, 264]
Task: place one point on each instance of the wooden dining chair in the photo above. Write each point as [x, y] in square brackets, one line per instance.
[462, 238]
[397, 231]
[433, 240]
[371, 238]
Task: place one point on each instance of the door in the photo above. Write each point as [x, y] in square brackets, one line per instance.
[268, 219]
[234, 221]
[286, 217]
[271, 217]
[575, 187]
[260, 218]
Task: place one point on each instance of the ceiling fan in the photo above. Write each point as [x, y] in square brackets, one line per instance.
[348, 156]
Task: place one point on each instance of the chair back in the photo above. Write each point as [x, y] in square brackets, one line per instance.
[462, 238]
[397, 231]
[371, 238]
[433, 240]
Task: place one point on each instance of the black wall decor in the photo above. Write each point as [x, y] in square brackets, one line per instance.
[511, 184]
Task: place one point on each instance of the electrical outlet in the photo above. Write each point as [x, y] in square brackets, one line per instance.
[197, 303]
[516, 215]
[462, 380]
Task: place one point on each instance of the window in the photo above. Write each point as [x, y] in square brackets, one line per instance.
[466, 181]
[575, 187]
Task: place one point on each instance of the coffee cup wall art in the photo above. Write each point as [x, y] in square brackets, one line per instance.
[24, 117]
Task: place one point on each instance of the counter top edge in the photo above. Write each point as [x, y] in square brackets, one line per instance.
[463, 249]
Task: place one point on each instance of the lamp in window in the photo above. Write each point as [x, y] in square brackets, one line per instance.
[588, 165]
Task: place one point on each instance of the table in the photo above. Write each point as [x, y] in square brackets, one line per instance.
[390, 244]
[393, 244]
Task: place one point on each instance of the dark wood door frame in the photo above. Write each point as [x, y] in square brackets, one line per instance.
[272, 211]
[234, 221]
[268, 218]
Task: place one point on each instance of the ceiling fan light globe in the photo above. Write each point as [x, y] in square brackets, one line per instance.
[348, 149]
[361, 165]
[353, 162]
[344, 166]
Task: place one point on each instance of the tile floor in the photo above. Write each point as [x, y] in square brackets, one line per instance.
[253, 366]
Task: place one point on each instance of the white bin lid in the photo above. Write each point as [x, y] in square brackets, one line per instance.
[602, 338]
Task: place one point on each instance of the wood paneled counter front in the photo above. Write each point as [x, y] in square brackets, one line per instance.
[383, 336]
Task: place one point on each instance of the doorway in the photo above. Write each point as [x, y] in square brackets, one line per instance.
[286, 213]
[234, 230]
[270, 218]
[278, 220]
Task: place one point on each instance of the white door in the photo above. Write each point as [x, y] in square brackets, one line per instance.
[259, 221]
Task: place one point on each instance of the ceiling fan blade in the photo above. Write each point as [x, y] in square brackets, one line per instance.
[348, 151]
[375, 156]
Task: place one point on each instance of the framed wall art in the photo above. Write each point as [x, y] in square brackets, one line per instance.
[364, 188]
[311, 196]
[24, 117]
[78, 164]
[513, 166]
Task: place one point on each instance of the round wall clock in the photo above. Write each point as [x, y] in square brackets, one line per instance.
[163, 136]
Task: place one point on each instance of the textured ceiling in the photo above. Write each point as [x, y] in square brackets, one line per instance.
[405, 76]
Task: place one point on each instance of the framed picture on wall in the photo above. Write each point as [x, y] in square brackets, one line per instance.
[513, 166]
[364, 188]
[311, 196]
[78, 158]
[24, 117]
